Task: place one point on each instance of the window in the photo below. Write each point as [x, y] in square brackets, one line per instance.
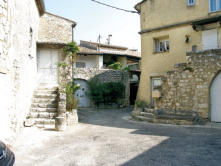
[190, 2]
[156, 83]
[162, 45]
[214, 5]
[80, 65]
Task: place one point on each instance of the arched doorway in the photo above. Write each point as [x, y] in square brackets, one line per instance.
[215, 99]
[84, 100]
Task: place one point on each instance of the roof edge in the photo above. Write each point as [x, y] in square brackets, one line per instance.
[105, 45]
[41, 6]
[138, 6]
[62, 18]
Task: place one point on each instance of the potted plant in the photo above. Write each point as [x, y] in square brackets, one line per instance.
[72, 103]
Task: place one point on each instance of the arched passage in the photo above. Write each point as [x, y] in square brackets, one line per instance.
[215, 99]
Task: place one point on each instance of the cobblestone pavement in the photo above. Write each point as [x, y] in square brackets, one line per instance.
[110, 137]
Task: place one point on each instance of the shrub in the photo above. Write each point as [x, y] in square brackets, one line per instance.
[115, 66]
[71, 101]
[105, 93]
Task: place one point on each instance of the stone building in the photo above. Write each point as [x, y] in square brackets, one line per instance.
[169, 29]
[184, 95]
[92, 61]
[26, 33]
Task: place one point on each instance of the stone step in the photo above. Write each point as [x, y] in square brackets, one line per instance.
[142, 118]
[44, 101]
[45, 92]
[43, 105]
[148, 115]
[44, 121]
[46, 115]
[43, 109]
[175, 117]
[46, 96]
[46, 126]
[149, 110]
[54, 88]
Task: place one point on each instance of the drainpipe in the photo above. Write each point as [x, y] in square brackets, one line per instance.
[72, 64]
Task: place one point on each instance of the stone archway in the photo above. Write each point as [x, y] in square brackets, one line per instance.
[215, 99]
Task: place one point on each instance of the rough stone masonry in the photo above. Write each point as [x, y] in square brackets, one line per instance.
[186, 89]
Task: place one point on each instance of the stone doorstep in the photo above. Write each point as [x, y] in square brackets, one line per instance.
[142, 118]
[44, 109]
[175, 117]
[149, 110]
[45, 126]
[148, 115]
[173, 122]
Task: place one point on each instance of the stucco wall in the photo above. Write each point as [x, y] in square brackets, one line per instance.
[156, 64]
[54, 29]
[91, 61]
[187, 87]
[19, 33]
[171, 12]
[157, 13]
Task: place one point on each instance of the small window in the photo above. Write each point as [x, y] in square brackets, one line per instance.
[190, 2]
[162, 45]
[80, 65]
[214, 5]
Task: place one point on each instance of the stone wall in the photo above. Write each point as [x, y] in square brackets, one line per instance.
[186, 89]
[55, 29]
[19, 22]
[105, 75]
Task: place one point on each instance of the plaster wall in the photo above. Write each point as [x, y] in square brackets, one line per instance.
[172, 12]
[18, 69]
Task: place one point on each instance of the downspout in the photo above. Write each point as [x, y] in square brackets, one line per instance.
[73, 26]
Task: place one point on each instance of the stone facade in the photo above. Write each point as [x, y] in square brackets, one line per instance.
[55, 29]
[19, 33]
[105, 75]
[186, 89]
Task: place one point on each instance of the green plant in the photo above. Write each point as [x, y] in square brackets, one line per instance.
[127, 68]
[71, 49]
[71, 101]
[140, 103]
[115, 66]
[105, 93]
[62, 64]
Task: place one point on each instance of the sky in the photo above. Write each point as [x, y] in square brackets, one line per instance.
[94, 19]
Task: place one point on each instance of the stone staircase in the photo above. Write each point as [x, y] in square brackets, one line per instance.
[44, 107]
[147, 114]
[167, 117]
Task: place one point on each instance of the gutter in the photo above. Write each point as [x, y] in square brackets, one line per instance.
[138, 6]
[41, 6]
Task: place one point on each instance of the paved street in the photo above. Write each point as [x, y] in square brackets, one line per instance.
[110, 137]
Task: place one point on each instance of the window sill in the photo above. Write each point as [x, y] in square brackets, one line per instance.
[165, 52]
[214, 12]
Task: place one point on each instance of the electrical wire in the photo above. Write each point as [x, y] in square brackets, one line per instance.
[114, 7]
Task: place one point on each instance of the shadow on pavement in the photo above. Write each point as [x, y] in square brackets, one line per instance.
[185, 146]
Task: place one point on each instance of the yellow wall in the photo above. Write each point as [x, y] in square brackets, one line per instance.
[158, 13]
